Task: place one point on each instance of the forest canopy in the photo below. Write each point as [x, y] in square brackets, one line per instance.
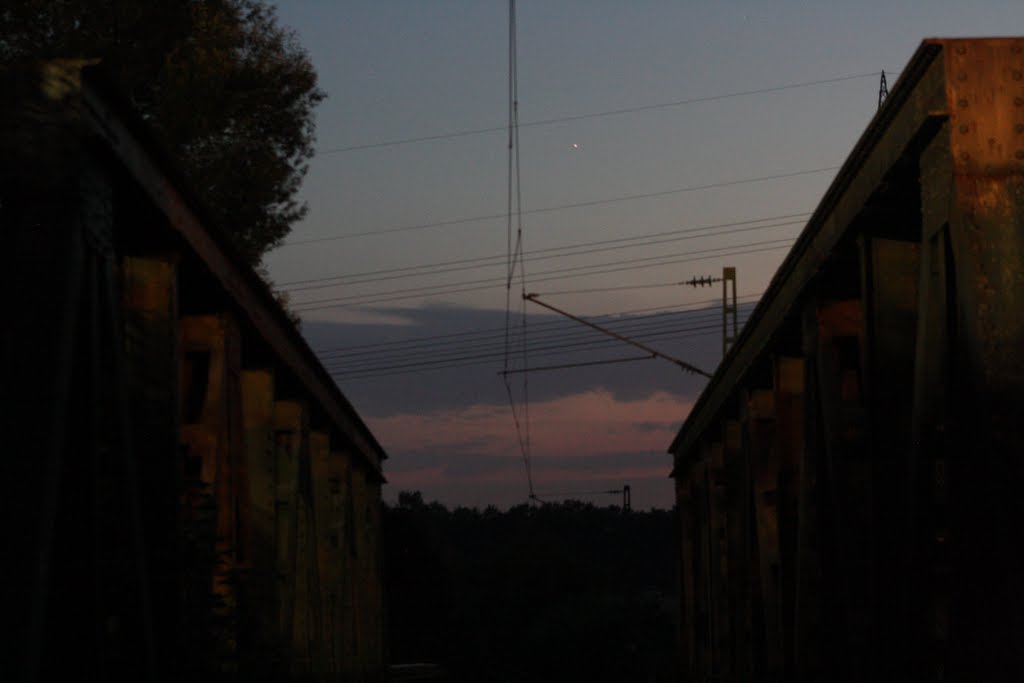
[228, 90]
[562, 591]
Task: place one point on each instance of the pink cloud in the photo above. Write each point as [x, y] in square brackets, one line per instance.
[588, 423]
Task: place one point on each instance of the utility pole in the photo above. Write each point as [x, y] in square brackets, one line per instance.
[729, 310]
[883, 90]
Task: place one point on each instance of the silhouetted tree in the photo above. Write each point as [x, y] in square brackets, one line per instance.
[565, 591]
[230, 92]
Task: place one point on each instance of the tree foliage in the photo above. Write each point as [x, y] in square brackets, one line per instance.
[559, 592]
[229, 91]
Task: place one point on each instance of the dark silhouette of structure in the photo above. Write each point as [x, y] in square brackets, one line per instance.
[189, 495]
[849, 482]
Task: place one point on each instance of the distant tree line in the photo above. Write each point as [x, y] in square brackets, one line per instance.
[559, 592]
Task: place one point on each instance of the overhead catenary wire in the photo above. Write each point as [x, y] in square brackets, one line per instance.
[562, 207]
[548, 253]
[379, 373]
[373, 347]
[593, 115]
[637, 326]
[556, 344]
[583, 364]
[360, 300]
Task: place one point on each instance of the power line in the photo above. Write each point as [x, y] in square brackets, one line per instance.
[581, 248]
[591, 115]
[556, 274]
[491, 359]
[553, 339]
[551, 346]
[374, 347]
[561, 207]
[552, 343]
[539, 351]
[585, 364]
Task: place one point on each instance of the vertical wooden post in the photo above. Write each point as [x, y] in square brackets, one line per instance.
[847, 477]
[890, 282]
[739, 548]
[322, 623]
[764, 462]
[210, 433]
[259, 640]
[687, 550]
[290, 429]
[788, 398]
[718, 561]
[149, 294]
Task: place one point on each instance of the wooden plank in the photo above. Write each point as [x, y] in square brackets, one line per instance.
[210, 433]
[290, 420]
[333, 580]
[848, 495]
[687, 594]
[890, 292]
[807, 599]
[259, 637]
[325, 556]
[788, 399]
[149, 301]
[718, 563]
[760, 428]
[739, 500]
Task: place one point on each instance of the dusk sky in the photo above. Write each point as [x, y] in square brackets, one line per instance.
[740, 113]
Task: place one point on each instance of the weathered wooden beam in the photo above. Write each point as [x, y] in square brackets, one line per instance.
[291, 446]
[788, 399]
[739, 512]
[687, 593]
[890, 283]
[759, 418]
[718, 561]
[259, 643]
[211, 434]
[149, 297]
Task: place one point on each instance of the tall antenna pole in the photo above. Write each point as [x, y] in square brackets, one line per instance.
[883, 90]
[729, 309]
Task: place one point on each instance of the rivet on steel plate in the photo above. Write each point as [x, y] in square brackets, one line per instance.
[964, 128]
[1017, 75]
[1019, 154]
[1019, 128]
[965, 156]
[1018, 101]
[960, 49]
[962, 102]
[962, 76]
